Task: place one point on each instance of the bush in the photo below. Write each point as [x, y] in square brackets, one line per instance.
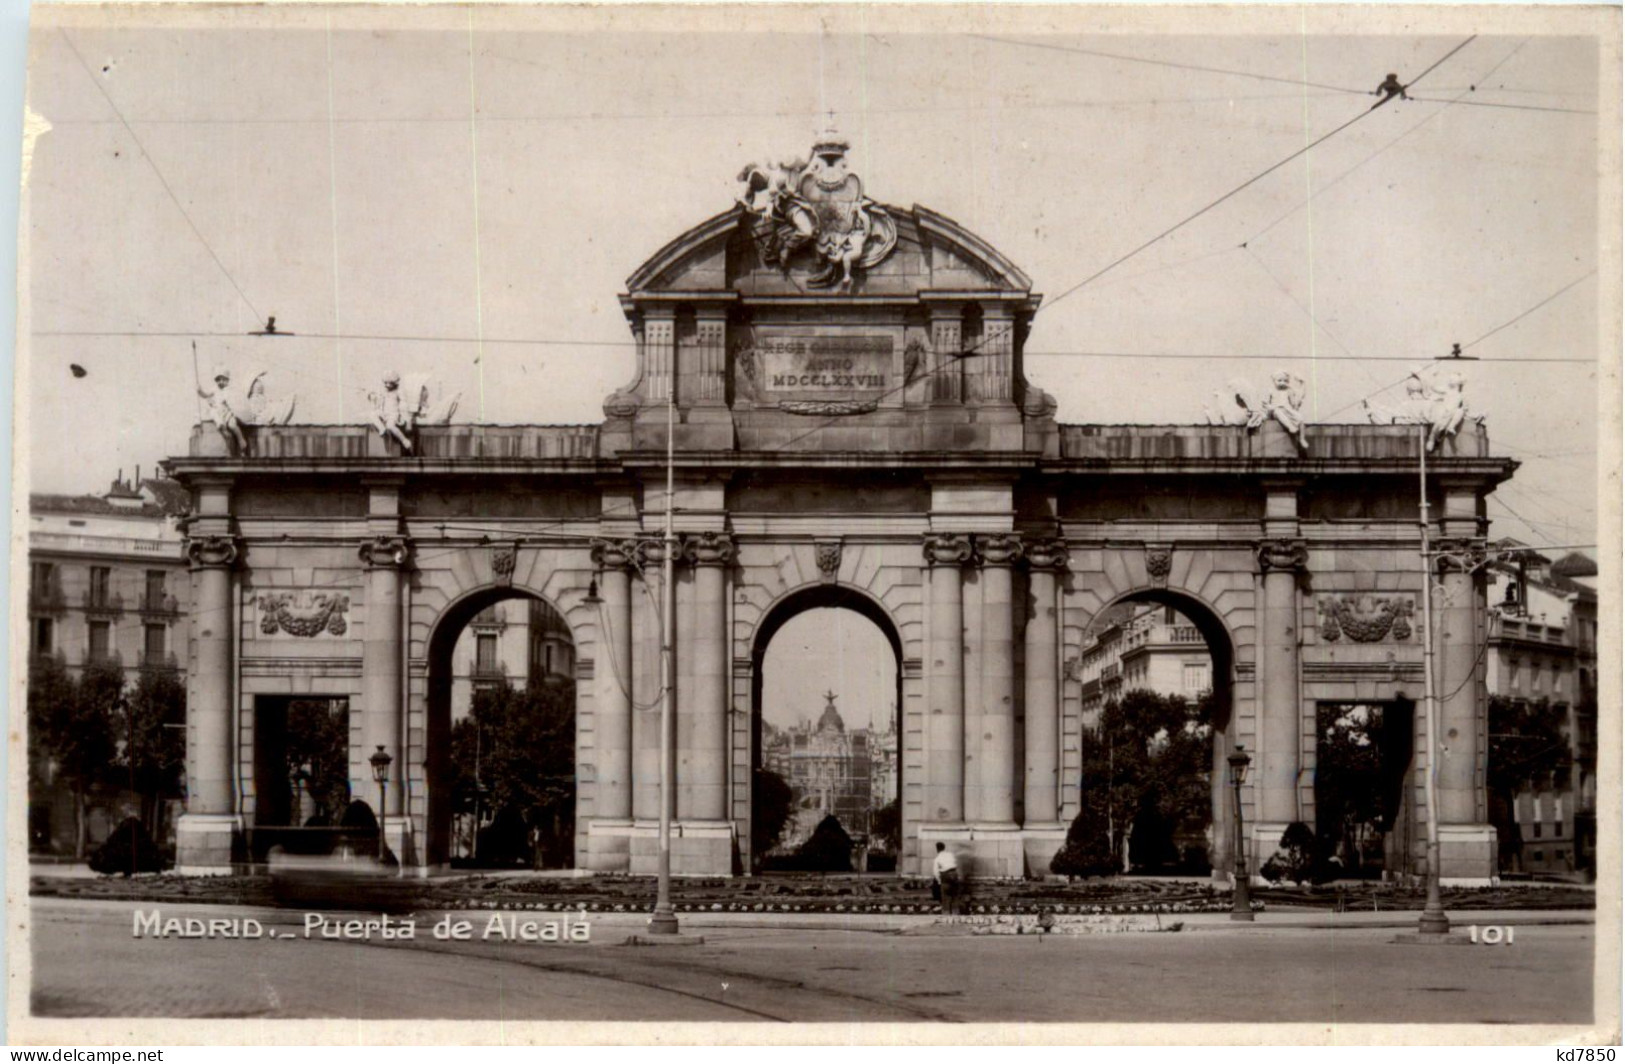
[829, 849]
[1296, 858]
[129, 849]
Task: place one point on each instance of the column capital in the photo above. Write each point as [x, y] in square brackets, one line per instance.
[947, 548]
[1459, 555]
[708, 548]
[651, 550]
[1283, 554]
[386, 552]
[213, 552]
[615, 553]
[999, 549]
[1046, 554]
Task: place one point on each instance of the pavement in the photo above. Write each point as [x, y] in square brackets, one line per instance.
[1299, 967]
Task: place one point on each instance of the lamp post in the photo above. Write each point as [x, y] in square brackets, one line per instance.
[1433, 921]
[1241, 902]
[380, 762]
[663, 921]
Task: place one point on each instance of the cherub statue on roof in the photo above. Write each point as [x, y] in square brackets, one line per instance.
[231, 408]
[397, 410]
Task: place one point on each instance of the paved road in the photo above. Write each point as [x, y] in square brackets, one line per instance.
[87, 963]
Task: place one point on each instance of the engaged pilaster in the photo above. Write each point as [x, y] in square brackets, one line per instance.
[703, 762]
[1280, 561]
[946, 555]
[385, 558]
[208, 829]
[612, 679]
[1041, 796]
[993, 751]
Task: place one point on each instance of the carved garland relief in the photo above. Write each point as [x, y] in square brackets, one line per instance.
[1366, 618]
[306, 614]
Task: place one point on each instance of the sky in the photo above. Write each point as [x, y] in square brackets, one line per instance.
[464, 192]
[829, 650]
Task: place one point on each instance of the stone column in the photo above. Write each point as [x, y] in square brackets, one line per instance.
[946, 554]
[1042, 685]
[947, 347]
[1275, 779]
[996, 743]
[1457, 635]
[704, 762]
[386, 558]
[208, 829]
[612, 679]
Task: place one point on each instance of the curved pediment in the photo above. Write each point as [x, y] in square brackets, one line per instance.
[725, 256]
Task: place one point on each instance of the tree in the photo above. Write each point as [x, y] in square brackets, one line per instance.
[828, 849]
[318, 743]
[771, 800]
[150, 726]
[74, 724]
[1147, 762]
[886, 827]
[1350, 778]
[1528, 751]
[526, 742]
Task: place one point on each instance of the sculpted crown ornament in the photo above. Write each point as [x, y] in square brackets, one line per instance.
[1282, 554]
[709, 548]
[386, 552]
[947, 548]
[1159, 562]
[816, 205]
[206, 552]
[614, 553]
[504, 557]
[1000, 549]
[1046, 554]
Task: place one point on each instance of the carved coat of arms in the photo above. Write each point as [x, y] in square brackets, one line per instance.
[817, 205]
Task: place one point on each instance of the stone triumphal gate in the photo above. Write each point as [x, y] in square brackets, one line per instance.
[853, 428]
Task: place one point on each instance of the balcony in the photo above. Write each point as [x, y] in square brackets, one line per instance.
[93, 656]
[159, 662]
[102, 603]
[159, 606]
[47, 600]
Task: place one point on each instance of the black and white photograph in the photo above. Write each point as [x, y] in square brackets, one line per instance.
[835, 524]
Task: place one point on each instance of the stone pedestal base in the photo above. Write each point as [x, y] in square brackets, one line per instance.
[698, 848]
[402, 844]
[207, 843]
[1467, 855]
[984, 851]
[609, 845]
[1039, 845]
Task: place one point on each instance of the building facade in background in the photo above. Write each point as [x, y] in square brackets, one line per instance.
[1542, 653]
[1143, 648]
[108, 581]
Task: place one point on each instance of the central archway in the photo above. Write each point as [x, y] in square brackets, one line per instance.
[492, 666]
[811, 757]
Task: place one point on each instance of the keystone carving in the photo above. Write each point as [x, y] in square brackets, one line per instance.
[323, 613]
[1046, 554]
[1159, 562]
[709, 548]
[947, 548]
[1365, 618]
[829, 559]
[386, 552]
[211, 552]
[504, 556]
[998, 549]
[1282, 554]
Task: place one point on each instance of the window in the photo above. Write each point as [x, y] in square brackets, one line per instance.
[44, 635]
[485, 653]
[1557, 830]
[43, 575]
[101, 580]
[101, 638]
[1537, 829]
[1516, 680]
[1196, 677]
[154, 645]
[155, 588]
[547, 661]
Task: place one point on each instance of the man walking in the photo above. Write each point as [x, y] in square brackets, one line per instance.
[945, 871]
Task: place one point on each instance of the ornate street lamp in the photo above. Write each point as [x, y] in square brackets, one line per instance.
[1241, 903]
[380, 773]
